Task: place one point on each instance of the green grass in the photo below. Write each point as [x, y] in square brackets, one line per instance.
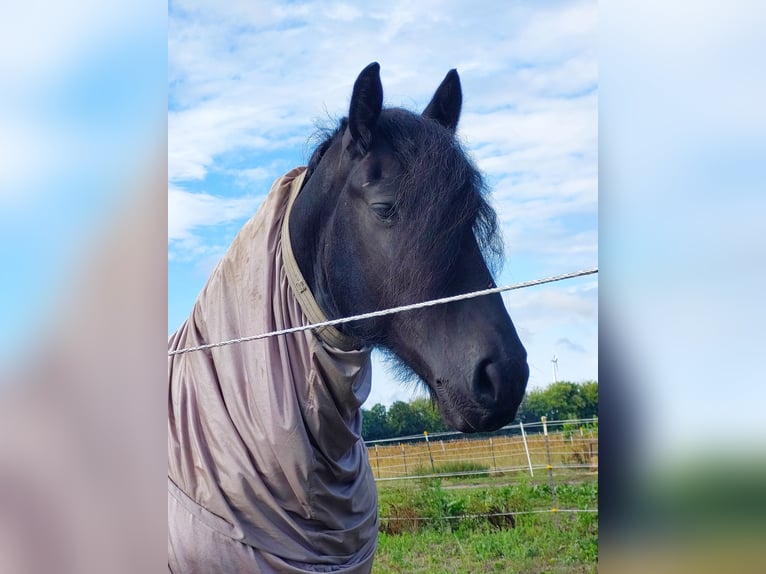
[538, 543]
[455, 466]
[560, 542]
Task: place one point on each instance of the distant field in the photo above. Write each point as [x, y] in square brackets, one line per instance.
[573, 448]
[481, 511]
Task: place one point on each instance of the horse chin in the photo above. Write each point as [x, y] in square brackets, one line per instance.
[467, 416]
[470, 422]
[456, 421]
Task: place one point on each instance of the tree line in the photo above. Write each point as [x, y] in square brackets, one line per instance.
[559, 401]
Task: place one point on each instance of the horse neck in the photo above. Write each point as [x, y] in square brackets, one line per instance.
[307, 217]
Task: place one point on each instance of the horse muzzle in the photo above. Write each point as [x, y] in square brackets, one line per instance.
[485, 401]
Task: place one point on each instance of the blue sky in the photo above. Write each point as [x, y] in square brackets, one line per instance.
[248, 82]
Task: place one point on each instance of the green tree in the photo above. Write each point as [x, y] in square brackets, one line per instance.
[560, 401]
[428, 415]
[375, 423]
[589, 393]
[564, 400]
[404, 420]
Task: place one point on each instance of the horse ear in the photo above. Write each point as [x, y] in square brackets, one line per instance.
[366, 103]
[447, 101]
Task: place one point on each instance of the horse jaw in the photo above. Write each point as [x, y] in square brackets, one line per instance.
[469, 356]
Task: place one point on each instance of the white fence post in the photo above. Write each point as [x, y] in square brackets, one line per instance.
[428, 445]
[526, 448]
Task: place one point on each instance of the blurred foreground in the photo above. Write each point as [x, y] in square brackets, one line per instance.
[83, 215]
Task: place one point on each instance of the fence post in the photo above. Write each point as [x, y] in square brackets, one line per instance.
[377, 460]
[404, 456]
[428, 445]
[492, 450]
[550, 466]
[526, 448]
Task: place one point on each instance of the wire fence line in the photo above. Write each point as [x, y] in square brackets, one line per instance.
[485, 515]
[507, 429]
[556, 450]
[499, 471]
[403, 308]
[570, 444]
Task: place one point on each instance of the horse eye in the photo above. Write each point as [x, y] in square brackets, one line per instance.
[384, 210]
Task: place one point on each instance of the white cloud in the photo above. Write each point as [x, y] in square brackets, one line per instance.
[196, 137]
[512, 139]
[542, 304]
[257, 174]
[344, 12]
[188, 211]
[223, 65]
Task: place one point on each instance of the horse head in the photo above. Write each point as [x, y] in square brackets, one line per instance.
[393, 212]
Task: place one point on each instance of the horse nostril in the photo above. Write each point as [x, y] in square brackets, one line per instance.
[499, 382]
[487, 382]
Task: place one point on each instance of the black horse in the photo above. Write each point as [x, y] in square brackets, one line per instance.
[267, 469]
[393, 212]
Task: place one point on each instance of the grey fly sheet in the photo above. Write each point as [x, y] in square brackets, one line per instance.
[267, 469]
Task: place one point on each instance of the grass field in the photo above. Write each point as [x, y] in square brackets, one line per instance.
[418, 536]
[482, 522]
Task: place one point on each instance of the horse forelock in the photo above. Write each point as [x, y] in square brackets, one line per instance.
[441, 196]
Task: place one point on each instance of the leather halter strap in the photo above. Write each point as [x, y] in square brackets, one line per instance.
[303, 294]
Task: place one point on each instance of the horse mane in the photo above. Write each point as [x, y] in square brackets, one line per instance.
[325, 136]
[441, 184]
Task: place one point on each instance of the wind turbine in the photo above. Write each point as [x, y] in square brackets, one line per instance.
[555, 362]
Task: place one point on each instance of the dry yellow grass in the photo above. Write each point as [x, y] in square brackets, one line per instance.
[497, 454]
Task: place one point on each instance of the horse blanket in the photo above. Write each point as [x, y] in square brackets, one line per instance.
[267, 470]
